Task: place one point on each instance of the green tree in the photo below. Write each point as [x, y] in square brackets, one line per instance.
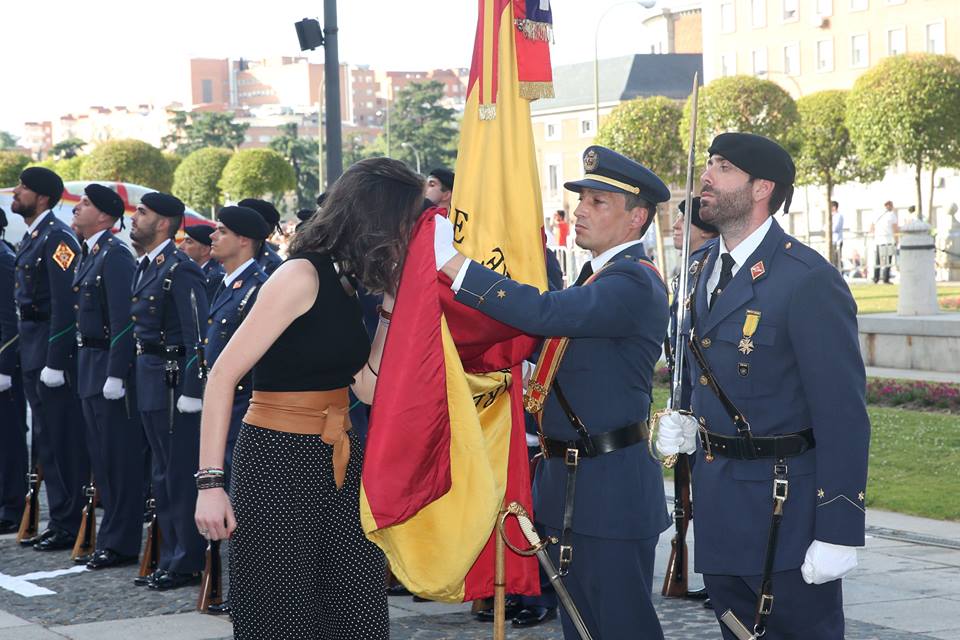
[301, 153]
[12, 164]
[907, 109]
[826, 156]
[644, 129]
[418, 119]
[128, 161]
[199, 129]
[253, 173]
[70, 168]
[68, 148]
[196, 180]
[7, 140]
[740, 103]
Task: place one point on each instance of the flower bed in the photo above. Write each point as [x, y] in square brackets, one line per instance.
[914, 394]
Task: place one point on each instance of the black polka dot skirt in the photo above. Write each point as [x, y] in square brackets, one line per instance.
[300, 566]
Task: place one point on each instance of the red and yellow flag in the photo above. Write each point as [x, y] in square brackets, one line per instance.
[446, 443]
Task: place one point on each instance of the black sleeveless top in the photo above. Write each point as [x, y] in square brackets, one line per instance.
[321, 349]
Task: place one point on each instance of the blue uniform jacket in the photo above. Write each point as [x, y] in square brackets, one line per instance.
[805, 370]
[617, 324]
[102, 282]
[9, 346]
[269, 259]
[154, 310]
[44, 277]
[212, 277]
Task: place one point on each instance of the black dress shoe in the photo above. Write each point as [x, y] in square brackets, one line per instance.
[707, 604]
[398, 590]
[143, 581]
[174, 580]
[9, 526]
[512, 608]
[698, 594]
[84, 559]
[222, 609]
[109, 558]
[57, 541]
[29, 542]
[532, 616]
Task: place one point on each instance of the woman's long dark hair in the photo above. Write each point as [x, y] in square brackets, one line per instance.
[366, 221]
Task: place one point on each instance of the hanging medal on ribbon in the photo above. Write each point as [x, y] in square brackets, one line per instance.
[750, 324]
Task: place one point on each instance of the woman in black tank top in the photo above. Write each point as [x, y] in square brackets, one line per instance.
[300, 565]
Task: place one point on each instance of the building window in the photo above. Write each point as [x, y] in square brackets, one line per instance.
[824, 56]
[553, 177]
[791, 10]
[791, 59]
[728, 21]
[896, 41]
[824, 8]
[859, 5]
[206, 88]
[935, 38]
[758, 57]
[758, 13]
[859, 50]
[586, 128]
[728, 64]
[552, 131]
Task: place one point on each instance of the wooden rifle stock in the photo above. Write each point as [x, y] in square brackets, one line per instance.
[151, 550]
[211, 587]
[30, 521]
[87, 536]
[675, 583]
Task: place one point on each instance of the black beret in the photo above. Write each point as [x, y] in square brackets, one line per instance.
[607, 170]
[200, 233]
[244, 221]
[695, 219]
[163, 203]
[264, 208]
[445, 176]
[105, 199]
[759, 156]
[321, 198]
[43, 182]
[305, 214]
[3, 220]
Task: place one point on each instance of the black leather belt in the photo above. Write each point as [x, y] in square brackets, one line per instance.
[756, 447]
[92, 343]
[596, 444]
[157, 349]
[30, 314]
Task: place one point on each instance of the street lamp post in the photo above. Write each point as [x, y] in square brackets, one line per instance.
[380, 114]
[416, 154]
[646, 4]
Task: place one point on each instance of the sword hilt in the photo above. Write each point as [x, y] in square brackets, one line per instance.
[526, 527]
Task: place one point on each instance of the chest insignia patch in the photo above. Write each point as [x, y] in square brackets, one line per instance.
[64, 255]
[237, 284]
[757, 270]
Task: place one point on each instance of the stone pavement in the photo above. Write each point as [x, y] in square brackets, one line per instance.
[907, 586]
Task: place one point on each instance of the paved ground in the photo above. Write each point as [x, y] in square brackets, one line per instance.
[907, 586]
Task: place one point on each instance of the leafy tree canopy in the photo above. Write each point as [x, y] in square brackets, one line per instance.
[644, 129]
[418, 119]
[254, 173]
[301, 153]
[128, 161]
[199, 129]
[196, 179]
[12, 164]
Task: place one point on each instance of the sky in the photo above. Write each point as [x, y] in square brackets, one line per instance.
[58, 57]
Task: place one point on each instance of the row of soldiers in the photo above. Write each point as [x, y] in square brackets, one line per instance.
[110, 352]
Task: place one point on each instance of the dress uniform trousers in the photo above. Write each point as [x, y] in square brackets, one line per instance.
[13, 450]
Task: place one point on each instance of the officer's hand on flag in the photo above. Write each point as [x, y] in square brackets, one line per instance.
[443, 241]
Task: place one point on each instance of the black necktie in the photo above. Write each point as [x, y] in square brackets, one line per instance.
[585, 273]
[216, 294]
[144, 263]
[726, 275]
[84, 250]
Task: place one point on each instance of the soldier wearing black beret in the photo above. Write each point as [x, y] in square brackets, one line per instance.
[196, 244]
[440, 187]
[268, 257]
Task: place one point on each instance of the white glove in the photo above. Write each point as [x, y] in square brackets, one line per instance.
[5, 382]
[677, 433]
[826, 562]
[52, 377]
[113, 388]
[186, 404]
[443, 241]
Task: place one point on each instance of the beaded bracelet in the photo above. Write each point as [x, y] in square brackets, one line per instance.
[210, 482]
[209, 471]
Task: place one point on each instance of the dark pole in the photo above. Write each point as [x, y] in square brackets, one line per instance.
[331, 78]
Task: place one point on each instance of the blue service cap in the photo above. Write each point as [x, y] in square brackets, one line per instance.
[607, 170]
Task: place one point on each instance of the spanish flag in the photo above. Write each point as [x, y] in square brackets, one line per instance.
[446, 442]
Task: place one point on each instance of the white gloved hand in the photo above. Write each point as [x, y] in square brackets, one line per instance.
[443, 241]
[52, 377]
[113, 388]
[526, 370]
[5, 382]
[677, 433]
[186, 404]
[826, 562]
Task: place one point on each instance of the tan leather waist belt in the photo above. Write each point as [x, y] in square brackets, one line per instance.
[319, 413]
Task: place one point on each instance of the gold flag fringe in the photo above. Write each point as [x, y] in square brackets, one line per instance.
[488, 111]
[536, 90]
[536, 30]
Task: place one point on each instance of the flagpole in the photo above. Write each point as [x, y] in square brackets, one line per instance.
[499, 583]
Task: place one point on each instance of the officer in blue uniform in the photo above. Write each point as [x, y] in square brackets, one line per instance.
[44, 267]
[267, 257]
[774, 332]
[196, 245]
[106, 376]
[13, 404]
[236, 241]
[169, 386]
[610, 525]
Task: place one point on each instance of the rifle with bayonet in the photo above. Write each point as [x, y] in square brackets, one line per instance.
[150, 561]
[86, 542]
[30, 521]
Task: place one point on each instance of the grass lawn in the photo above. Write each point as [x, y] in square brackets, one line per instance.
[882, 298]
[914, 461]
